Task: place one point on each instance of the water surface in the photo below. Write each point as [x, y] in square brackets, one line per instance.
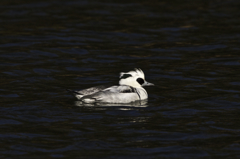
[189, 50]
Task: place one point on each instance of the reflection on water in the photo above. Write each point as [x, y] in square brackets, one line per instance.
[141, 103]
[189, 49]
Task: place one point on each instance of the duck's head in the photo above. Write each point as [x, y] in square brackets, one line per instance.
[134, 79]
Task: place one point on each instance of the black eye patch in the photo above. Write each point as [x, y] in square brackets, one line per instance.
[124, 76]
[140, 81]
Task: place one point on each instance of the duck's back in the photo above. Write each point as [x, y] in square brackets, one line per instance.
[116, 94]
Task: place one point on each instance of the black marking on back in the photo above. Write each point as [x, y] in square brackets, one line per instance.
[124, 76]
[137, 94]
[130, 90]
[140, 81]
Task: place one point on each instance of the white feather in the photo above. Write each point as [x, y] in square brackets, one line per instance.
[129, 90]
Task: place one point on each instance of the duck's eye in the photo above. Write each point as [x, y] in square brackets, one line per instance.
[124, 76]
[140, 81]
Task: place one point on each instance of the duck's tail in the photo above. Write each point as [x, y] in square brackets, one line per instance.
[74, 92]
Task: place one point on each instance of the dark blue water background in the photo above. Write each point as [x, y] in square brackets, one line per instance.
[189, 49]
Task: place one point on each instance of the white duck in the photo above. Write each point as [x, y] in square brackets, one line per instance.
[129, 90]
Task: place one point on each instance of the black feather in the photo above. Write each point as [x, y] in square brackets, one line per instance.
[124, 76]
[140, 81]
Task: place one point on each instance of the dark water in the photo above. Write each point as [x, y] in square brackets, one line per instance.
[189, 49]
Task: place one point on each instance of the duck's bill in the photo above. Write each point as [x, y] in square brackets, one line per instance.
[147, 84]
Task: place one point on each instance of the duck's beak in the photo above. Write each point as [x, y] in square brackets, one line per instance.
[147, 84]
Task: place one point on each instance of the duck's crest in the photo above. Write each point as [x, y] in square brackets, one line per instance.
[137, 72]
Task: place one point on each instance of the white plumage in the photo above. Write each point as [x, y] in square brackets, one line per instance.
[129, 90]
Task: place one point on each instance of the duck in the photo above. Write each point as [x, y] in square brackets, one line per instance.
[130, 89]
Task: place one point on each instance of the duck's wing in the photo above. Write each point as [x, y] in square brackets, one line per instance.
[89, 91]
[114, 94]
